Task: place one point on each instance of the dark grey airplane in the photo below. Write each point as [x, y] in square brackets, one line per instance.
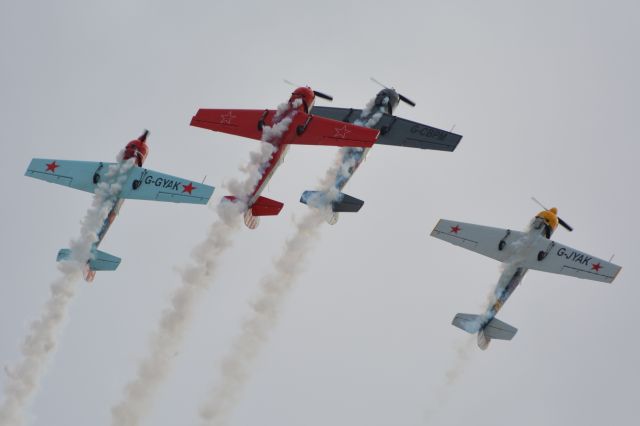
[393, 131]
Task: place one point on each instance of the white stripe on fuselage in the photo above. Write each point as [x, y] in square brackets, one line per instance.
[283, 149]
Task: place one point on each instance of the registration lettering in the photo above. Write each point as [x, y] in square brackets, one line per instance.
[162, 182]
[428, 132]
[574, 256]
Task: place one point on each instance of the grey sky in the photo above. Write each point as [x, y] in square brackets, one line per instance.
[545, 94]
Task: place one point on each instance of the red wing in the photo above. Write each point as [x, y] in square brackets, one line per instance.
[325, 131]
[241, 122]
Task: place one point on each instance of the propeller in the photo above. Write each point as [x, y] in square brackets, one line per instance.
[564, 224]
[144, 135]
[315, 92]
[402, 97]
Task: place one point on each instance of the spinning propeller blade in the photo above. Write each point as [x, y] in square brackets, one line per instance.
[565, 225]
[406, 100]
[377, 82]
[323, 95]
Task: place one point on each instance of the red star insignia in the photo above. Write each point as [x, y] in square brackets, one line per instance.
[596, 267]
[455, 229]
[188, 188]
[341, 132]
[227, 117]
[51, 167]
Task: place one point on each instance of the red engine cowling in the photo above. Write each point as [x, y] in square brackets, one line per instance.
[137, 149]
[306, 95]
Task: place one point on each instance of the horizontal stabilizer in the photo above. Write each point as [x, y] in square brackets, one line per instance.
[342, 203]
[468, 322]
[63, 254]
[101, 262]
[266, 207]
[497, 329]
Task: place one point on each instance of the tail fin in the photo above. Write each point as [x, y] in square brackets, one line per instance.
[342, 203]
[494, 329]
[101, 261]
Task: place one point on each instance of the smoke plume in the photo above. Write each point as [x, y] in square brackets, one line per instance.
[39, 344]
[153, 370]
[236, 365]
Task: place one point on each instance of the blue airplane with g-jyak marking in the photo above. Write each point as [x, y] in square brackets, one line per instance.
[140, 184]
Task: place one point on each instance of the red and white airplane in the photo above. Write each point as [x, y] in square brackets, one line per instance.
[271, 126]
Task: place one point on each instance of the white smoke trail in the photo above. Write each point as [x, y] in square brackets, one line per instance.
[153, 370]
[236, 365]
[25, 376]
[265, 311]
[175, 320]
[261, 159]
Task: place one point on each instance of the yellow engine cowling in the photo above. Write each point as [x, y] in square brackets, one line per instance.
[550, 217]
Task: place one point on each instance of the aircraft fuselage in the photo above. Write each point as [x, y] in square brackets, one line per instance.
[513, 279]
[281, 149]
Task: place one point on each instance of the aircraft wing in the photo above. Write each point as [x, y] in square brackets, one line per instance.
[74, 174]
[147, 184]
[481, 239]
[309, 130]
[561, 259]
[239, 122]
[325, 131]
[153, 185]
[398, 131]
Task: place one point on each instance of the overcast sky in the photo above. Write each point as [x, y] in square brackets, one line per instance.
[545, 94]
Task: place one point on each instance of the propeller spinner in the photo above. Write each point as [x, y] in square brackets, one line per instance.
[402, 97]
[315, 92]
[564, 224]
